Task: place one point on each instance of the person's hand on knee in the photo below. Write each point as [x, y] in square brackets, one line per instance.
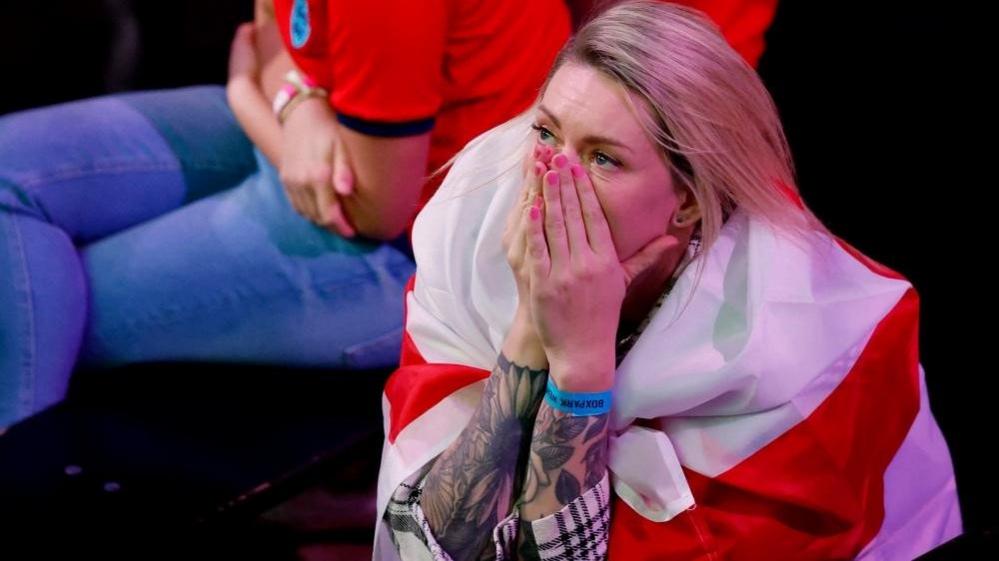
[315, 169]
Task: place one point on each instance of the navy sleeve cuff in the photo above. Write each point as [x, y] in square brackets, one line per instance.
[386, 129]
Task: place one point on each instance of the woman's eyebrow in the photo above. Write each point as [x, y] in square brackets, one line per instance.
[588, 139]
[550, 115]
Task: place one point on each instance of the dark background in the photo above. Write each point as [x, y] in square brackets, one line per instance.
[882, 105]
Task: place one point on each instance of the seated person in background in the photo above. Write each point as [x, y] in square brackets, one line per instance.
[195, 224]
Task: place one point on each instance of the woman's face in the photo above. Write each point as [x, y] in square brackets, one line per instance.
[584, 115]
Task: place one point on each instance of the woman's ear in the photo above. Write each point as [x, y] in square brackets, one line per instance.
[688, 211]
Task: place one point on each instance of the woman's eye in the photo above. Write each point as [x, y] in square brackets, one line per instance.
[604, 161]
[545, 136]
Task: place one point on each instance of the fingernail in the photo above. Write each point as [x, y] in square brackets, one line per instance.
[552, 178]
[535, 213]
[560, 160]
[577, 170]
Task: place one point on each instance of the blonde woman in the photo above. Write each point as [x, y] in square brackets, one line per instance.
[629, 336]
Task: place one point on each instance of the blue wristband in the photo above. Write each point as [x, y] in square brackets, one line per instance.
[577, 404]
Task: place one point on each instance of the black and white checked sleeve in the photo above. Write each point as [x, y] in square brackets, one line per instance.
[578, 532]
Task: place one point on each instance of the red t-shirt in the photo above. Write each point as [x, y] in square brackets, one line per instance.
[399, 67]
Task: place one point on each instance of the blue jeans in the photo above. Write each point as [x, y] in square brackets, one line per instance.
[146, 227]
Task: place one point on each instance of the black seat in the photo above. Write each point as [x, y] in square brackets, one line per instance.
[189, 453]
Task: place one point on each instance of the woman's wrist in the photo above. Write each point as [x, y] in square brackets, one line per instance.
[585, 371]
[242, 89]
[522, 342]
[298, 89]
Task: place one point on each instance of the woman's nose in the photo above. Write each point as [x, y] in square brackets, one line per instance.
[570, 155]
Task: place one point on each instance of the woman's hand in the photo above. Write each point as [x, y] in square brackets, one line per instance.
[243, 61]
[315, 168]
[514, 235]
[522, 339]
[577, 283]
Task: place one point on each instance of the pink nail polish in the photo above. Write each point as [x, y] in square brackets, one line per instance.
[560, 161]
[552, 178]
[535, 213]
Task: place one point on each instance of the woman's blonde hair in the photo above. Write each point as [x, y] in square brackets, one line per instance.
[705, 106]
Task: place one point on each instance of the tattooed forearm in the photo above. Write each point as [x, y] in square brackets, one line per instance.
[471, 486]
[568, 457]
